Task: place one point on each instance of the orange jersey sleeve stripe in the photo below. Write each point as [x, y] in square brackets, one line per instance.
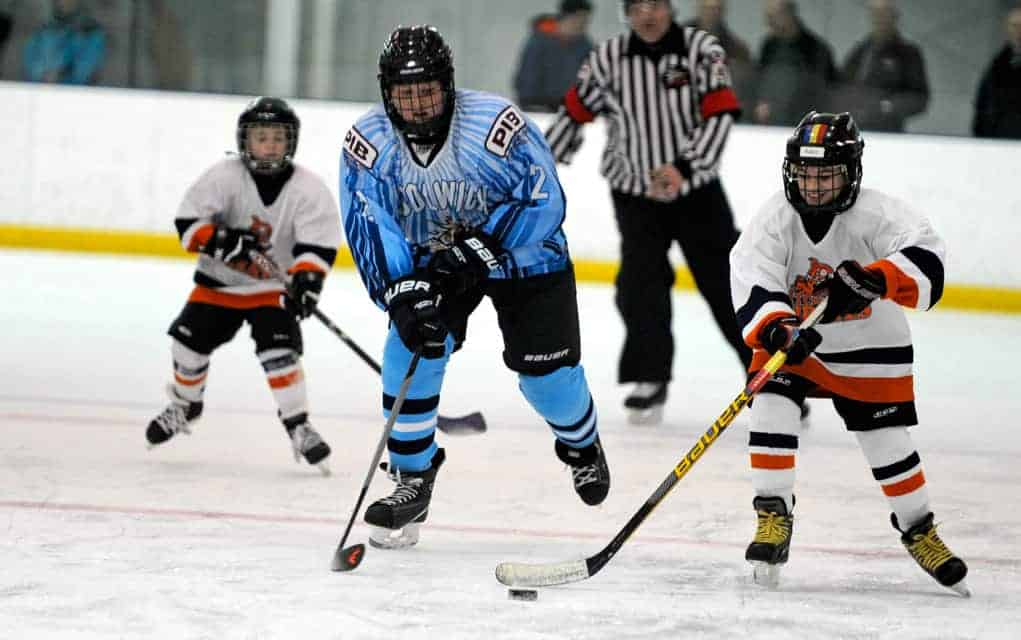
[305, 266]
[285, 380]
[753, 337]
[891, 390]
[201, 237]
[189, 382]
[768, 461]
[719, 101]
[206, 295]
[904, 486]
[900, 287]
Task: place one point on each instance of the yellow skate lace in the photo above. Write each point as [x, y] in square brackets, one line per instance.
[772, 528]
[928, 550]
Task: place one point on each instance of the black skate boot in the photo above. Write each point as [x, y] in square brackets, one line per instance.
[645, 403]
[307, 442]
[932, 554]
[395, 519]
[176, 418]
[589, 470]
[769, 550]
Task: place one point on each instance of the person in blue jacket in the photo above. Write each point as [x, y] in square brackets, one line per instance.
[69, 49]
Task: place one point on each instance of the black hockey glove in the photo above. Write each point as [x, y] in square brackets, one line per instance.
[413, 304]
[850, 290]
[779, 335]
[464, 265]
[232, 246]
[303, 292]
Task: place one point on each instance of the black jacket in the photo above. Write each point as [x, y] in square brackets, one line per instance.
[795, 76]
[884, 84]
[998, 103]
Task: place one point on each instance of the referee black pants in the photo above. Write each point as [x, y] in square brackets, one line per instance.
[703, 225]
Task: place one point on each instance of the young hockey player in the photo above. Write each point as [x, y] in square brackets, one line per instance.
[255, 201]
[447, 197]
[868, 254]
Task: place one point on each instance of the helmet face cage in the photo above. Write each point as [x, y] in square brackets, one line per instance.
[824, 140]
[415, 55]
[272, 112]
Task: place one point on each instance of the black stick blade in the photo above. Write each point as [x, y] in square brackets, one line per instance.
[468, 425]
[348, 559]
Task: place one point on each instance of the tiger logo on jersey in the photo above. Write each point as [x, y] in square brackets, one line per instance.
[805, 298]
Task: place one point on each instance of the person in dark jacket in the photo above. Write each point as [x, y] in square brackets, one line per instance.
[884, 80]
[998, 103]
[69, 49]
[710, 17]
[796, 72]
[550, 59]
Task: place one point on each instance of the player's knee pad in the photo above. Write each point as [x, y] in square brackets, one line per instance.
[561, 397]
[187, 358]
[774, 413]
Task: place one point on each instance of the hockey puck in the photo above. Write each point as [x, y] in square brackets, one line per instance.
[528, 595]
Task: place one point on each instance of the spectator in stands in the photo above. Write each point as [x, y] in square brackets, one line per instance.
[796, 71]
[69, 49]
[883, 77]
[550, 59]
[998, 103]
[709, 16]
[5, 29]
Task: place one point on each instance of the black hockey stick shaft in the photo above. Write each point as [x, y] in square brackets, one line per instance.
[350, 558]
[517, 574]
[337, 331]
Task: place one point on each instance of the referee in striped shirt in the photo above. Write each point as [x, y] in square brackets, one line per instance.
[665, 92]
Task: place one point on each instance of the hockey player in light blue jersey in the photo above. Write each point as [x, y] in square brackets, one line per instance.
[447, 197]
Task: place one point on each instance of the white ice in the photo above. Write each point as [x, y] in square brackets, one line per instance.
[221, 535]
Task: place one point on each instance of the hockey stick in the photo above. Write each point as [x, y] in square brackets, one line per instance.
[348, 559]
[464, 425]
[520, 574]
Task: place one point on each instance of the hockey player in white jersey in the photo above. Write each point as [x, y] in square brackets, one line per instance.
[449, 196]
[869, 255]
[257, 201]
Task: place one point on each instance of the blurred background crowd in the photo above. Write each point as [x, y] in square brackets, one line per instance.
[922, 66]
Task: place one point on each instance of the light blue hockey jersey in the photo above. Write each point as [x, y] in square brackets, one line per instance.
[494, 172]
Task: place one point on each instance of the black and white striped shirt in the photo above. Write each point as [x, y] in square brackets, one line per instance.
[669, 104]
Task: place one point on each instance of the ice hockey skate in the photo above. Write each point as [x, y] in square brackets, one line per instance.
[176, 418]
[589, 471]
[768, 551]
[933, 556]
[645, 403]
[307, 443]
[396, 518]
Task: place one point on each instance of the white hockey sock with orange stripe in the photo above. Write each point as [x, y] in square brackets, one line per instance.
[190, 369]
[898, 469]
[773, 445]
[286, 379]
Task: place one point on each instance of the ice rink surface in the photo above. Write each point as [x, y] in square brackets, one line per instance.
[221, 535]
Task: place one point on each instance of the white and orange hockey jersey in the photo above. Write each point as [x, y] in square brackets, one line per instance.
[302, 226]
[775, 267]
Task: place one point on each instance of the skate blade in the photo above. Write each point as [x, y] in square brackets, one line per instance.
[652, 415]
[323, 468]
[382, 538]
[961, 588]
[766, 575]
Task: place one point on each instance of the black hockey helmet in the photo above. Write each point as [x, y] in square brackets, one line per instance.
[823, 140]
[417, 54]
[268, 111]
